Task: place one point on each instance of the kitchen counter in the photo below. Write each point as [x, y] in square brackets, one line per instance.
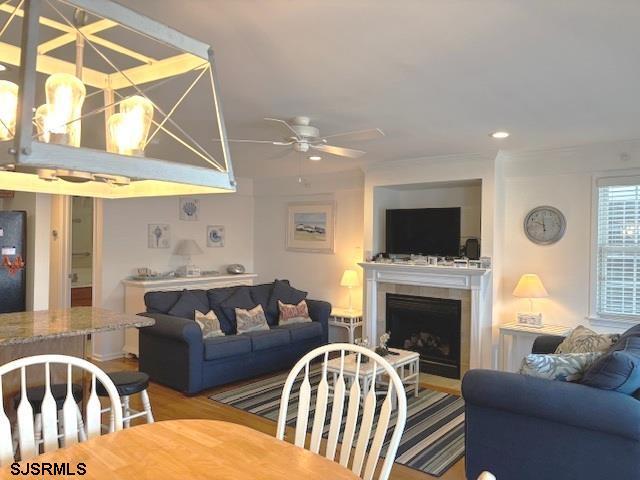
[29, 327]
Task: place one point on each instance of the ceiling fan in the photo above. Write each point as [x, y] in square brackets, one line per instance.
[304, 137]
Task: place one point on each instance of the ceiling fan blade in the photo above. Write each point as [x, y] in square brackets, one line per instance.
[357, 136]
[340, 151]
[270, 142]
[284, 123]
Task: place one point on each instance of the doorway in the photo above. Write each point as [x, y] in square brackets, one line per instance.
[81, 251]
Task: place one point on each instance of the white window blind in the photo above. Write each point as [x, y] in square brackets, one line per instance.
[618, 262]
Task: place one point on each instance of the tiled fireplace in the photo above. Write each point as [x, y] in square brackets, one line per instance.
[446, 291]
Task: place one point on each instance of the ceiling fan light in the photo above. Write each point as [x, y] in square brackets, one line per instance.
[500, 134]
[315, 158]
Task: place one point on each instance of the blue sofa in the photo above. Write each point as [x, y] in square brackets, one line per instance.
[174, 353]
[525, 428]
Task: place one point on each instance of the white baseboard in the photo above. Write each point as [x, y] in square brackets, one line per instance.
[105, 357]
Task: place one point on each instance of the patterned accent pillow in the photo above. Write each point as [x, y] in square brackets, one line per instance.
[209, 324]
[293, 313]
[566, 367]
[251, 320]
[583, 340]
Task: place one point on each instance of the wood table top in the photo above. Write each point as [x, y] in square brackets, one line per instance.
[27, 327]
[194, 449]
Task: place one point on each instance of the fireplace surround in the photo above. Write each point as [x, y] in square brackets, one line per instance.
[470, 285]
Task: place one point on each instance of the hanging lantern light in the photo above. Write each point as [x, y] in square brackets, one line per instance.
[8, 109]
[128, 130]
[65, 96]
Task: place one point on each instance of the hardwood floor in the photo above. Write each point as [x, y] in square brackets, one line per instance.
[169, 404]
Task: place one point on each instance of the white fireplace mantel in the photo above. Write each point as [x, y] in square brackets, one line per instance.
[477, 280]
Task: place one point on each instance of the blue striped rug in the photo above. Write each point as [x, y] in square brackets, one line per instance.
[433, 439]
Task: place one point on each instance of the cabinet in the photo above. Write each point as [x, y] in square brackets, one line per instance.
[134, 291]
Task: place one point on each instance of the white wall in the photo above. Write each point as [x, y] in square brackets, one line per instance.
[317, 273]
[466, 195]
[38, 208]
[125, 243]
[561, 178]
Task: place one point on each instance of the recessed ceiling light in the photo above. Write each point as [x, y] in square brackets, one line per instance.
[499, 134]
[315, 158]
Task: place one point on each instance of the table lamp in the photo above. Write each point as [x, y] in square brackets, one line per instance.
[530, 286]
[187, 248]
[350, 280]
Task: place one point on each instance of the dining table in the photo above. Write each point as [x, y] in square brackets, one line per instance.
[188, 449]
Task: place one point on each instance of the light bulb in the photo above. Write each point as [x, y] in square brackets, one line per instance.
[65, 96]
[128, 130]
[42, 119]
[8, 109]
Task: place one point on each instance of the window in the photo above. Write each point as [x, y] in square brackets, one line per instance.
[618, 247]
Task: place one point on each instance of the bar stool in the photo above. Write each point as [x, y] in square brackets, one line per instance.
[35, 395]
[129, 383]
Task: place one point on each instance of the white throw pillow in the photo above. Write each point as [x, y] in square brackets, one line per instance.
[209, 324]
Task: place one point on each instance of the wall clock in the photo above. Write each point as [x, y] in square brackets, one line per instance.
[545, 225]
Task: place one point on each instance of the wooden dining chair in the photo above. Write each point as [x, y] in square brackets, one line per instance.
[57, 426]
[367, 447]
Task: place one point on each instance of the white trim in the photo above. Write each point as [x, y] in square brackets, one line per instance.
[595, 318]
[105, 357]
[617, 323]
[613, 181]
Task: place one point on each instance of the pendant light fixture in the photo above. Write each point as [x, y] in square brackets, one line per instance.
[137, 141]
[8, 109]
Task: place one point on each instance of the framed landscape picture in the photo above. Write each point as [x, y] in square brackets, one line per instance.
[310, 227]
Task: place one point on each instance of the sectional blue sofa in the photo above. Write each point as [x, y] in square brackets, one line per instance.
[174, 353]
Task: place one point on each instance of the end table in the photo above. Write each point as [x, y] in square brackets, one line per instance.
[346, 318]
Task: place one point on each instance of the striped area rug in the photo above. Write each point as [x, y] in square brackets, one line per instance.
[433, 439]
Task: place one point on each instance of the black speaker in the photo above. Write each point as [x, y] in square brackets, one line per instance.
[472, 248]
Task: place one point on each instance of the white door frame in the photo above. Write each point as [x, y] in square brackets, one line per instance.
[61, 253]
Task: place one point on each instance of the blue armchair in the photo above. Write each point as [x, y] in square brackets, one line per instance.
[525, 428]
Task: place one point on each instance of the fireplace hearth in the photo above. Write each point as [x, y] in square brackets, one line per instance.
[429, 326]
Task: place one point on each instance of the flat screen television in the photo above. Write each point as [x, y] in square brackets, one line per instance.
[426, 231]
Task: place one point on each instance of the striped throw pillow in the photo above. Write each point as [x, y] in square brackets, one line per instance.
[293, 313]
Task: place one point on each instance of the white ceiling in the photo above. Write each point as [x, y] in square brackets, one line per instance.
[436, 75]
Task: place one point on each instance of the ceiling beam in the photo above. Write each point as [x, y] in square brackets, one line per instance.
[88, 30]
[10, 54]
[168, 67]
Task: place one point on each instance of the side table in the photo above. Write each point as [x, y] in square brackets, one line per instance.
[346, 318]
[522, 337]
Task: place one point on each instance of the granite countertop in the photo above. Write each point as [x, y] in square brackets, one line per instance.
[27, 327]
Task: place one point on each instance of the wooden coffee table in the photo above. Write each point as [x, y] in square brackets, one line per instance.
[406, 364]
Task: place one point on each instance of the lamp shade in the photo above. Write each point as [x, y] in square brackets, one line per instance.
[530, 286]
[349, 279]
[188, 247]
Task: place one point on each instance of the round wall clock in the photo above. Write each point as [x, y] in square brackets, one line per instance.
[545, 225]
